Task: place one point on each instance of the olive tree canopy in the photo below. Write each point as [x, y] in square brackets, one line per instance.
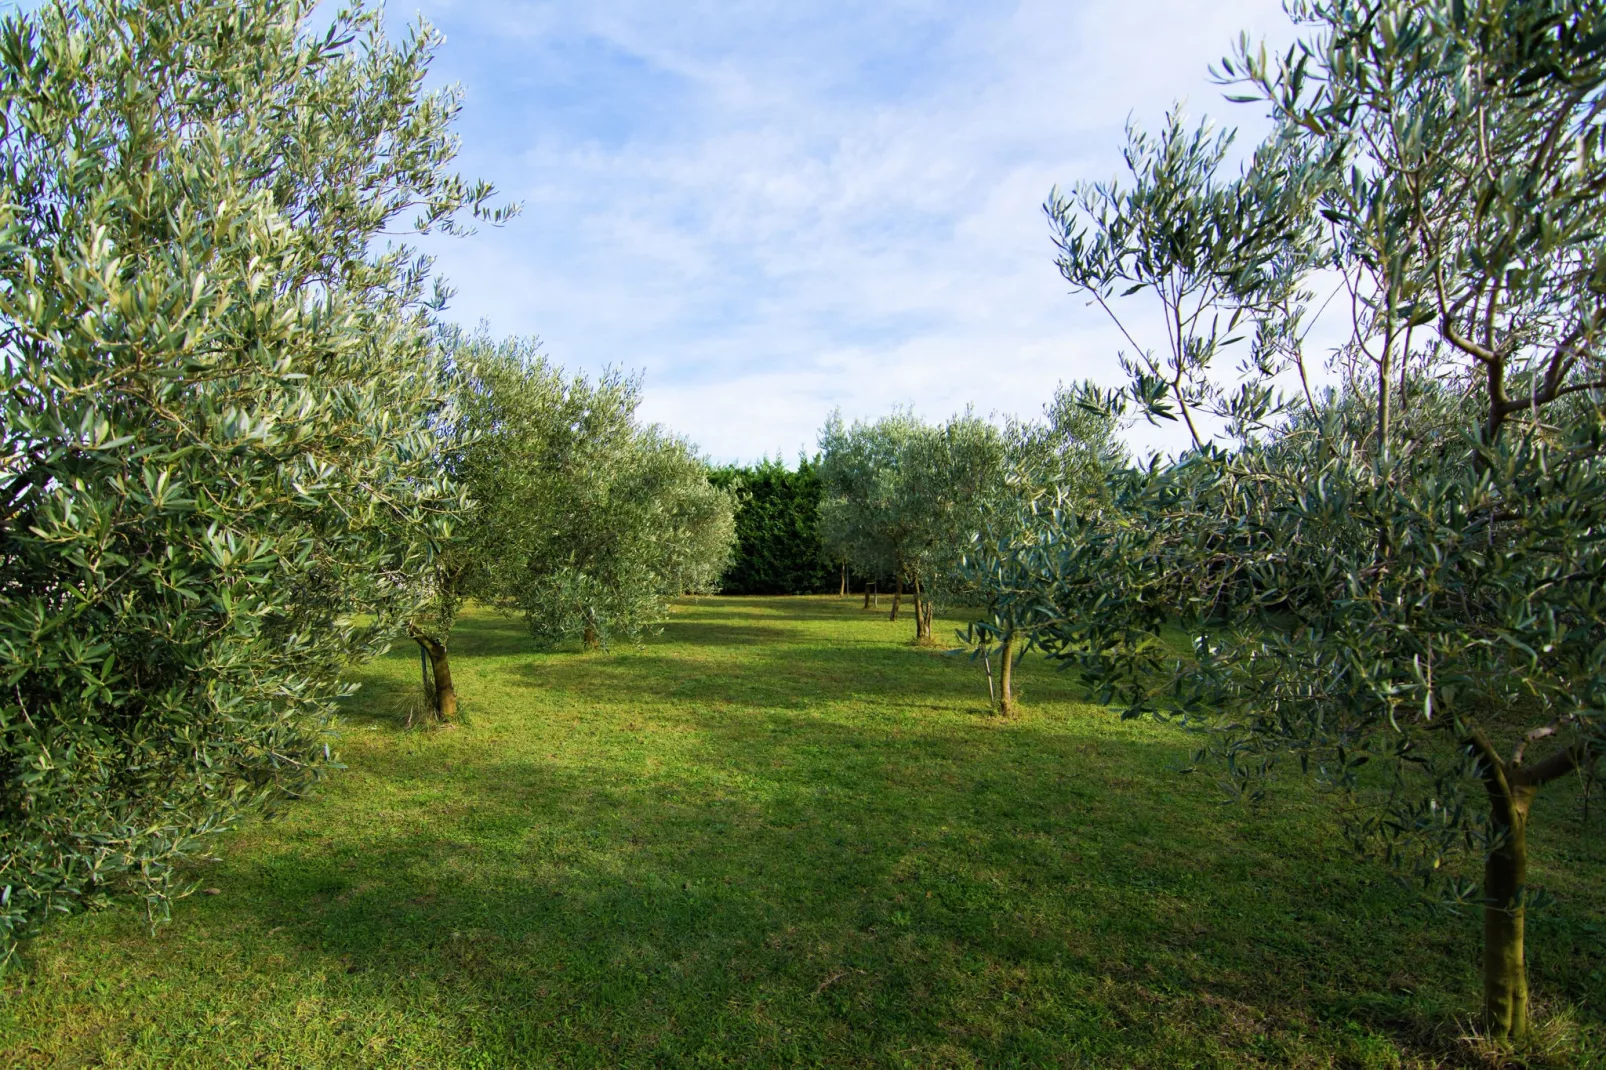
[1395, 586]
[217, 380]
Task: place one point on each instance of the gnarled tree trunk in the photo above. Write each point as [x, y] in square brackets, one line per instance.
[922, 611]
[590, 639]
[443, 694]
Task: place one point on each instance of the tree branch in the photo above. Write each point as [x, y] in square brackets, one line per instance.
[1553, 767]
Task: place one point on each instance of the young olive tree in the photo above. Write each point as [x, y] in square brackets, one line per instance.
[1062, 462]
[859, 470]
[217, 382]
[952, 474]
[1408, 605]
[496, 442]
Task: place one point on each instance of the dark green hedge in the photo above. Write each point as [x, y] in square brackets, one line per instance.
[778, 548]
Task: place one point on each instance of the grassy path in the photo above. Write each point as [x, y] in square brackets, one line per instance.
[781, 835]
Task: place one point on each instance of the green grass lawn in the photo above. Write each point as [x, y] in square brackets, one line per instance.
[780, 834]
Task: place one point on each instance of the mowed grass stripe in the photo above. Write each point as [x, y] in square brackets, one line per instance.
[781, 834]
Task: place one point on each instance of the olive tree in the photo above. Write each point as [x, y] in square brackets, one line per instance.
[498, 439]
[859, 470]
[217, 380]
[951, 475]
[1406, 605]
[627, 519]
[905, 497]
[1062, 461]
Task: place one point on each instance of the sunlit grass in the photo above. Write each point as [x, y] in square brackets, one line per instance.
[781, 834]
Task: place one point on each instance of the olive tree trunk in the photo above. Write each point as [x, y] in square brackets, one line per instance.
[1505, 875]
[1006, 698]
[1511, 788]
[897, 596]
[443, 695]
[843, 593]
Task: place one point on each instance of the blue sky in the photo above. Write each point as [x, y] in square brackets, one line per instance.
[775, 209]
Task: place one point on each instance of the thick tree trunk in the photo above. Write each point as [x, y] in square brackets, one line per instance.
[1006, 699]
[920, 609]
[1505, 876]
[589, 638]
[443, 694]
[897, 596]
[1511, 788]
[867, 585]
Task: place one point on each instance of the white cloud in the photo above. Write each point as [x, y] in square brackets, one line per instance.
[777, 209]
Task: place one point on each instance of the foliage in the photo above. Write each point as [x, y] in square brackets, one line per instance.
[786, 785]
[1070, 451]
[1409, 606]
[904, 498]
[498, 440]
[214, 450]
[627, 520]
[778, 545]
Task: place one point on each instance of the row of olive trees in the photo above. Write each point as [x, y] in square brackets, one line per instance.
[577, 516]
[911, 500]
[236, 453]
[901, 498]
[1394, 584]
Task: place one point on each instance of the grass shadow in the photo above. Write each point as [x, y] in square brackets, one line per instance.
[804, 851]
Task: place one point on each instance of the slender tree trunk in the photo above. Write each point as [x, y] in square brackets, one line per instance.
[897, 596]
[1385, 380]
[920, 615]
[445, 695]
[1505, 876]
[1006, 699]
[844, 592]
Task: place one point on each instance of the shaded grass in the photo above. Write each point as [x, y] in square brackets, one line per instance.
[780, 834]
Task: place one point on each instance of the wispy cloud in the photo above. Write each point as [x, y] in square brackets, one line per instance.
[775, 209]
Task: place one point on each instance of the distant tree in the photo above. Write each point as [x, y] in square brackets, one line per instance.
[1061, 462]
[498, 439]
[905, 498]
[952, 476]
[778, 545]
[630, 520]
[217, 386]
[859, 475]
